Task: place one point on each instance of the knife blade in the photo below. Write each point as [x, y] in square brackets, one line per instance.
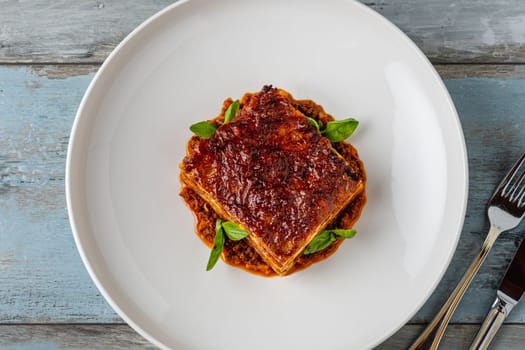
[509, 293]
[513, 284]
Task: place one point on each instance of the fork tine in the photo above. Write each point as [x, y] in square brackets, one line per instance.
[517, 192]
[521, 197]
[504, 184]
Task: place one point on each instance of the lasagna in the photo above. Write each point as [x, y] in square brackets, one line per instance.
[269, 170]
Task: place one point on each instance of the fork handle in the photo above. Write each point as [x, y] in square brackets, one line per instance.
[431, 336]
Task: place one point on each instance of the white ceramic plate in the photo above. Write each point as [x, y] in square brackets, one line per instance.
[136, 236]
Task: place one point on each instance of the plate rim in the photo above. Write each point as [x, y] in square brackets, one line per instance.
[68, 179]
[108, 62]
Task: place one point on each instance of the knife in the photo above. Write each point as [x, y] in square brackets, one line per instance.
[509, 293]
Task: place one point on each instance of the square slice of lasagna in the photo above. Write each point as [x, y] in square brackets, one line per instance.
[272, 173]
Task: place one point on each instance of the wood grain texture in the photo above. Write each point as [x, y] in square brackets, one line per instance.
[87, 30]
[120, 337]
[71, 337]
[41, 276]
[458, 337]
[461, 31]
[492, 113]
[460, 71]
[68, 31]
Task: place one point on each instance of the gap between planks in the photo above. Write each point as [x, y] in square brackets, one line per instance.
[54, 70]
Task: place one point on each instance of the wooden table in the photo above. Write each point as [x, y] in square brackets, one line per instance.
[49, 52]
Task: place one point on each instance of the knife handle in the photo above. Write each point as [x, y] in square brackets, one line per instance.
[497, 314]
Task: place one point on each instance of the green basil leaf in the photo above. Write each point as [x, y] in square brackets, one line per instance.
[204, 129]
[314, 123]
[327, 237]
[340, 233]
[320, 242]
[234, 232]
[218, 244]
[231, 111]
[340, 130]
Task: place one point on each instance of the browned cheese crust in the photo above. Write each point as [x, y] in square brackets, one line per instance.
[273, 174]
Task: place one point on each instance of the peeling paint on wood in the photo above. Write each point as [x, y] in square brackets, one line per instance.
[71, 337]
[492, 113]
[41, 275]
[64, 71]
[461, 31]
[65, 31]
[7, 260]
[122, 337]
[86, 31]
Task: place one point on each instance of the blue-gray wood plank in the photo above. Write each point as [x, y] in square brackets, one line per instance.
[42, 278]
[121, 337]
[87, 30]
[492, 113]
[71, 337]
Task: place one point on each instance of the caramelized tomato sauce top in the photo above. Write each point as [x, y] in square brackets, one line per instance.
[240, 254]
[233, 175]
[270, 169]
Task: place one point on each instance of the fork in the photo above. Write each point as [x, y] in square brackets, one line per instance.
[506, 209]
